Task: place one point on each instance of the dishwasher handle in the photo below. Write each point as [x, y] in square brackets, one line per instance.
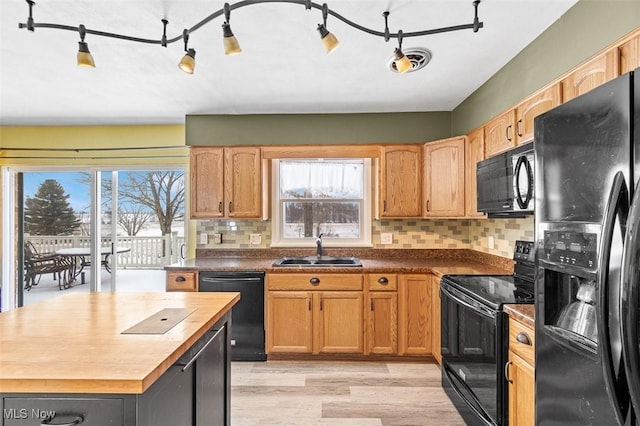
[220, 280]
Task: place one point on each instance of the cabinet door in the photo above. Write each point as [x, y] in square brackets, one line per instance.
[400, 180]
[382, 322]
[521, 391]
[499, 133]
[592, 74]
[340, 322]
[474, 152]
[435, 318]
[207, 182]
[289, 321]
[243, 180]
[531, 108]
[414, 310]
[630, 55]
[444, 178]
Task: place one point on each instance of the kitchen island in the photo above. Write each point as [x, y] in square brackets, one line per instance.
[67, 360]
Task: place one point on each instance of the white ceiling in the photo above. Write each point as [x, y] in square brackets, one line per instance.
[282, 69]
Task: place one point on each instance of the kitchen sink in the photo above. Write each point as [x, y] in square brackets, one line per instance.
[318, 261]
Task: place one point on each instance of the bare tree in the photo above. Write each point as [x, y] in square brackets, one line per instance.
[162, 192]
[132, 219]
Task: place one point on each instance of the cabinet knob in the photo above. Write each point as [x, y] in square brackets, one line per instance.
[523, 338]
[314, 281]
[180, 279]
[383, 280]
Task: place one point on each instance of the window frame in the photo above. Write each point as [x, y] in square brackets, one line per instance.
[366, 214]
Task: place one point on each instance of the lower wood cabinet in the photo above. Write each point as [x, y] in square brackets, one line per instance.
[436, 312]
[414, 312]
[521, 374]
[381, 314]
[371, 314]
[315, 321]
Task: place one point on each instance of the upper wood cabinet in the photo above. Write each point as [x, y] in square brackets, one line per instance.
[226, 182]
[400, 181]
[630, 55]
[591, 74]
[443, 183]
[499, 133]
[533, 106]
[474, 152]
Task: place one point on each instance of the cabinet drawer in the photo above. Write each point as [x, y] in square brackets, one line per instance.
[382, 282]
[519, 335]
[313, 281]
[92, 411]
[181, 281]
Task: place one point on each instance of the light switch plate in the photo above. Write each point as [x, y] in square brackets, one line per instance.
[490, 242]
[204, 238]
[217, 238]
[255, 239]
[386, 238]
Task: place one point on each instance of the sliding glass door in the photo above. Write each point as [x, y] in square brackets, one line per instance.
[103, 230]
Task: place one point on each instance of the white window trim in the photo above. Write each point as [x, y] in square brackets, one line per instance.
[365, 225]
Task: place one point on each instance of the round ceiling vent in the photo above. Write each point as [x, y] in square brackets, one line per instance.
[419, 57]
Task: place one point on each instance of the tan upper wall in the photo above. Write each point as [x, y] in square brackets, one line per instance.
[320, 129]
[586, 28]
[92, 145]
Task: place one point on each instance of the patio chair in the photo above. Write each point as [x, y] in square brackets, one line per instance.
[37, 264]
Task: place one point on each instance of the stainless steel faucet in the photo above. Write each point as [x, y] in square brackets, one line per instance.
[319, 251]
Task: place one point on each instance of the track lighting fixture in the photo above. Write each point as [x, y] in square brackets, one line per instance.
[188, 61]
[403, 64]
[329, 41]
[84, 56]
[229, 41]
[231, 46]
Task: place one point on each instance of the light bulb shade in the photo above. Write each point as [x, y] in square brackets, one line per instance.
[403, 64]
[188, 62]
[229, 41]
[84, 56]
[329, 41]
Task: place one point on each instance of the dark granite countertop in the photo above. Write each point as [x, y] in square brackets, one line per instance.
[439, 262]
[525, 314]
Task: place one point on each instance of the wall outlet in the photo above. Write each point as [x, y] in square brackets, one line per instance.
[386, 238]
[217, 238]
[255, 239]
[490, 242]
[204, 238]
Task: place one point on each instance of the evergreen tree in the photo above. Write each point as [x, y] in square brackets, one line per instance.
[49, 211]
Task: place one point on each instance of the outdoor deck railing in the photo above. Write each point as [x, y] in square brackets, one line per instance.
[146, 252]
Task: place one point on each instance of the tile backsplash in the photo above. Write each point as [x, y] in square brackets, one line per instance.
[406, 234]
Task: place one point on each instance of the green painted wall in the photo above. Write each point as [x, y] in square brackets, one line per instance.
[586, 28]
[304, 129]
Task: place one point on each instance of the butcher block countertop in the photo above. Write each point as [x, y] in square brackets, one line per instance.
[74, 343]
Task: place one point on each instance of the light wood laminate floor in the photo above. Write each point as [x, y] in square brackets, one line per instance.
[329, 393]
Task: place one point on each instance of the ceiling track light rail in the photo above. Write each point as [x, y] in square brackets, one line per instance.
[231, 45]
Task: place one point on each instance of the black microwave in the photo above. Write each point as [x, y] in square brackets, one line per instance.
[505, 183]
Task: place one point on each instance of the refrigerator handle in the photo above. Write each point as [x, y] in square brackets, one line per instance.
[617, 207]
[630, 298]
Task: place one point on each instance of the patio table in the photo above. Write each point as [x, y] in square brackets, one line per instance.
[83, 256]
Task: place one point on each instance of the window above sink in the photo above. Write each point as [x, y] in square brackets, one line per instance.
[328, 196]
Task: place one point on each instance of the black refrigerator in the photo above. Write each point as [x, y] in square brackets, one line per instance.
[587, 209]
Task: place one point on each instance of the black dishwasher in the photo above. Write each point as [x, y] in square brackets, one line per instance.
[247, 316]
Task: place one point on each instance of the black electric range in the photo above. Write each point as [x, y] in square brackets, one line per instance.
[474, 336]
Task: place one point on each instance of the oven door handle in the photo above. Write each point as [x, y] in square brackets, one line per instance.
[477, 309]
